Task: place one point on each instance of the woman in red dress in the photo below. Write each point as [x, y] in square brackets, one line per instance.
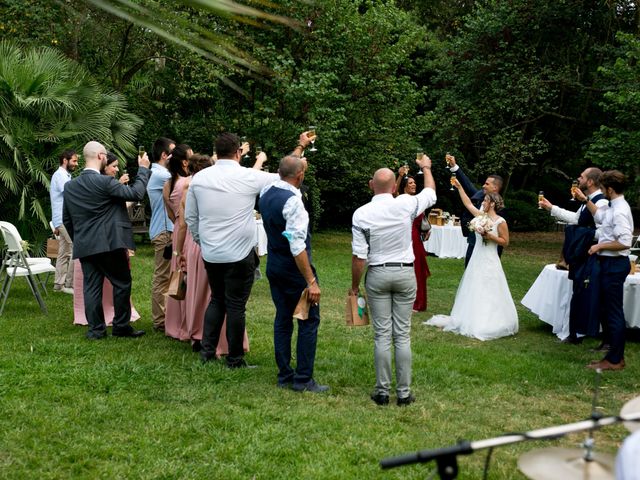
[420, 231]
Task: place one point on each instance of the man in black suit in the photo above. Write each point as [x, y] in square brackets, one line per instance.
[493, 184]
[95, 215]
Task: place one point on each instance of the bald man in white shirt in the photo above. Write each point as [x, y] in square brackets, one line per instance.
[382, 238]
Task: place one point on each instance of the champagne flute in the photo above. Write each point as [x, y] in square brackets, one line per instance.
[243, 140]
[540, 198]
[141, 151]
[574, 185]
[451, 180]
[312, 137]
[446, 159]
[419, 154]
[406, 170]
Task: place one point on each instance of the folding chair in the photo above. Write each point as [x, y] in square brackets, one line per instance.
[16, 263]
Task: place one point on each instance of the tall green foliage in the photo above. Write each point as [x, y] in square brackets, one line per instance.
[49, 103]
[616, 144]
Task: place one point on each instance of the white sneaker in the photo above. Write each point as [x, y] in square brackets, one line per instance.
[66, 290]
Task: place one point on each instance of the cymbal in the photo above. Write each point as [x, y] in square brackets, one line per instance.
[632, 406]
[566, 464]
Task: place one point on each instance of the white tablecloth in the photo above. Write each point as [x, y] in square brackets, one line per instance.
[550, 295]
[446, 242]
[262, 237]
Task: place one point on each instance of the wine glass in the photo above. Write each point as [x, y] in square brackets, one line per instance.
[451, 180]
[312, 136]
[419, 154]
[540, 198]
[574, 185]
[243, 140]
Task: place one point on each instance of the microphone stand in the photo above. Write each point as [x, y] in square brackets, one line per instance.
[446, 458]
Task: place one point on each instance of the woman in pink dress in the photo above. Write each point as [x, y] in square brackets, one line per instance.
[175, 324]
[407, 185]
[198, 291]
[79, 318]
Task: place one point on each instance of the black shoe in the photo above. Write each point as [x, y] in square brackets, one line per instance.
[285, 385]
[95, 336]
[403, 402]
[196, 346]
[128, 333]
[240, 364]
[208, 356]
[572, 340]
[310, 386]
[380, 399]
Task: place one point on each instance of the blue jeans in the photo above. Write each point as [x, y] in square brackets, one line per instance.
[286, 289]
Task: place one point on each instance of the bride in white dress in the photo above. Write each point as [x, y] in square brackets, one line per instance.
[483, 307]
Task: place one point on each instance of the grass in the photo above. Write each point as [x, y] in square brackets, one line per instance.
[147, 408]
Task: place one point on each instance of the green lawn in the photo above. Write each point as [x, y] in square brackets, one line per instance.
[147, 408]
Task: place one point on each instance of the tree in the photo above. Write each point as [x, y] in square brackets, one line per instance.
[48, 104]
[616, 144]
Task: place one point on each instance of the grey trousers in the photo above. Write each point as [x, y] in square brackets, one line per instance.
[391, 292]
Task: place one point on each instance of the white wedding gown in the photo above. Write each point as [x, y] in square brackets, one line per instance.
[483, 307]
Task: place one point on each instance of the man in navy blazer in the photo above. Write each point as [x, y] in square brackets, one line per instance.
[95, 215]
[493, 184]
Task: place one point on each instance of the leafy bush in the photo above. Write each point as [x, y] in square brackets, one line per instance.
[523, 213]
[49, 104]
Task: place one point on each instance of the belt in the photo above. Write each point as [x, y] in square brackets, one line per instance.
[392, 264]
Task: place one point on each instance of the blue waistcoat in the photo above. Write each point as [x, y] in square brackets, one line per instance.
[280, 259]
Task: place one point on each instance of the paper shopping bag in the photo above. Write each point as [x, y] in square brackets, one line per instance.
[302, 308]
[177, 285]
[52, 247]
[356, 310]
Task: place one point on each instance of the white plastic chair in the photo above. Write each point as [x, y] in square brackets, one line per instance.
[17, 264]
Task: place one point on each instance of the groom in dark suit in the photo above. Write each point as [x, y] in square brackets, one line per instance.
[493, 184]
[95, 215]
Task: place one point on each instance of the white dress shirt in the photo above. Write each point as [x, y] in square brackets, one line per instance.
[570, 217]
[382, 228]
[296, 217]
[219, 209]
[617, 225]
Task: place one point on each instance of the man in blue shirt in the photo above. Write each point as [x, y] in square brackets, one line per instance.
[64, 266]
[160, 228]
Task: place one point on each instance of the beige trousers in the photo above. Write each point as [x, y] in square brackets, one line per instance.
[64, 265]
[160, 283]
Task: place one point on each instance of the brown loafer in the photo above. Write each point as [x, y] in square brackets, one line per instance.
[606, 365]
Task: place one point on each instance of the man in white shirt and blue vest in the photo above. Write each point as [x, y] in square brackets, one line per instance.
[382, 238]
[290, 271]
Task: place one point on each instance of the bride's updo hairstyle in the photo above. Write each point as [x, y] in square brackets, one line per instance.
[496, 199]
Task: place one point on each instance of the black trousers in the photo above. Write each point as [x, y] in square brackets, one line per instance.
[114, 266]
[231, 285]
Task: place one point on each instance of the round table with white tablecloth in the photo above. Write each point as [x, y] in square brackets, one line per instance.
[550, 295]
[446, 242]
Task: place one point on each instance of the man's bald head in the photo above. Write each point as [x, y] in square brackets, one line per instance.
[384, 181]
[95, 155]
[290, 166]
